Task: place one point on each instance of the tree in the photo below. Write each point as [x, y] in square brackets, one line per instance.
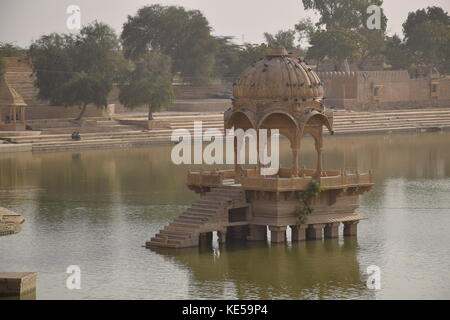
[350, 14]
[11, 50]
[281, 38]
[338, 43]
[77, 69]
[247, 55]
[227, 58]
[305, 29]
[184, 35]
[427, 37]
[148, 83]
[397, 53]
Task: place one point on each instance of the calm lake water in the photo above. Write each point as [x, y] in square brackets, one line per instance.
[96, 209]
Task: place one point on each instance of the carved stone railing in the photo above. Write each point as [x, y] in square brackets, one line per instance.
[251, 180]
[209, 178]
[277, 184]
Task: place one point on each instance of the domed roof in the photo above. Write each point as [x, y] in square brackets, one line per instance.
[279, 76]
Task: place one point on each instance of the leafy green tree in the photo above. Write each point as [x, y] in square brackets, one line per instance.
[397, 54]
[339, 43]
[281, 38]
[247, 55]
[184, 35]
[11, 50]
[305, 29]
[227, 58]
[350, 14]
[77, 69]
[427, 37]
[148, 83]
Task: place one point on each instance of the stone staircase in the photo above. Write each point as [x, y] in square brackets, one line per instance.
[105, 133]
[209, 213]
[19, 75]
[391, 120]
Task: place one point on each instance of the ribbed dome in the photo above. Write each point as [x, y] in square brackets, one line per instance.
[278, 76]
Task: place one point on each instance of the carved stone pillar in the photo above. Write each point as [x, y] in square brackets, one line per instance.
[314, 232]
[299, 232]
[236, 166]
[331, 230]
[22, 114]
[257, 233]
[222, 235]
[295, 153]
[319, 156]
[277, 234]
[350, 228]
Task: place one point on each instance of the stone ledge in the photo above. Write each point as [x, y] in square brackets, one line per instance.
[17, 283]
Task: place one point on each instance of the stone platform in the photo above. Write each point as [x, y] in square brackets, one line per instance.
[20, 285]
[249, 206]
[10, 222]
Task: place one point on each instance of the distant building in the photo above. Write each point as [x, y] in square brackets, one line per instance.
[355, 90]
[376, 90]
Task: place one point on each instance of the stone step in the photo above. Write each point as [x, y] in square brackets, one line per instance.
[224, 199]
[401, 121]
[159, 244]
[186, 225]
[206, 206]
[380, 130]
[194, 217]
[382, 122]
[181, 230]
[211, 201]
[164, 234]
[225, 196]
[228, 189]
[192, 220]
[227, 193]
[177, 230]
[201, 210]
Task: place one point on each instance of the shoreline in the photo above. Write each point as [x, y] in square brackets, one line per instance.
[345, 123]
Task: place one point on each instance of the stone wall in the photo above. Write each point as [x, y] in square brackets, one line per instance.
[186, 92]
[37, 112]
[377, 90]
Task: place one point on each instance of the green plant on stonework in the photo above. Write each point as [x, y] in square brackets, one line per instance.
[305, 198]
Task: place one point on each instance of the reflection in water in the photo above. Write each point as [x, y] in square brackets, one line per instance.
[96, 209]
[305, 270]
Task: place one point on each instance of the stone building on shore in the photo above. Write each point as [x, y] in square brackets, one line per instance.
[380, 90]
[358, 90]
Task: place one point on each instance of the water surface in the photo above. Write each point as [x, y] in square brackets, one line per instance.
[96, 209]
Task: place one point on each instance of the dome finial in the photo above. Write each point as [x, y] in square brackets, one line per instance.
[278, 51]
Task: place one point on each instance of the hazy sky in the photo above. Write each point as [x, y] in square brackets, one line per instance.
[22, 21]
